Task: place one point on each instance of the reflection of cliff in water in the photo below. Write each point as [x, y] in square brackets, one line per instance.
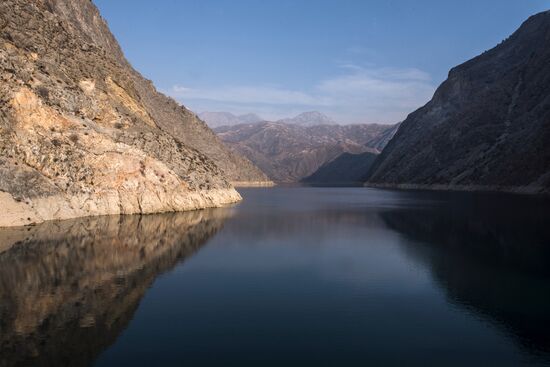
[491, 255]
[67, 289]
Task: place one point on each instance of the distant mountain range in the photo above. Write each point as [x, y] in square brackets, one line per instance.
[217, 119]
[312, 118]
[487, 126]
[289, 152]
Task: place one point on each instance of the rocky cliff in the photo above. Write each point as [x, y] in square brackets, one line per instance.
[169, 115]
[82, 133]
[487, 126]
[290, 152]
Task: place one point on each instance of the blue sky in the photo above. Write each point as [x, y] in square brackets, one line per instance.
[355, 60]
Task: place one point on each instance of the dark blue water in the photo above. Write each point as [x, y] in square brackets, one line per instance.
[291, 276]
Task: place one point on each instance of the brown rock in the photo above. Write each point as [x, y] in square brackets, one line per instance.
[82, 133]
[290, 152]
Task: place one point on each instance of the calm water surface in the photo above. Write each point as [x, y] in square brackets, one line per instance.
[289, 277]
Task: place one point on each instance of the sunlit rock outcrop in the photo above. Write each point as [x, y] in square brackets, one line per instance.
[82, 133]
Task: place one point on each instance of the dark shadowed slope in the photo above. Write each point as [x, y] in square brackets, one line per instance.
[346, 169]
[487, 126]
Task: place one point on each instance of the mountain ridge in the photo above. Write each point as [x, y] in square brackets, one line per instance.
[487, 126]
[307, 119]
[217, 119]
[290, 152]
[170, 116]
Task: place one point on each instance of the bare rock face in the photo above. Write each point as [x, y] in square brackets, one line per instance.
[169, 115]
[487, 126]
[290, 152]
[82, 133]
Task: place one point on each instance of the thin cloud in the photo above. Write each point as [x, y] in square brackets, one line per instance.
[248, 95]
[362, 51]
[390, 88]
[384, 95]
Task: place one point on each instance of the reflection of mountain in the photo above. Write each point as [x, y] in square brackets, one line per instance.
[490, 256]
[67, 289]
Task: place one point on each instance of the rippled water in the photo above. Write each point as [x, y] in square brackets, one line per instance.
[291, 276]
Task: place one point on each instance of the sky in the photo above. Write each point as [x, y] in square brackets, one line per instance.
[358, 61]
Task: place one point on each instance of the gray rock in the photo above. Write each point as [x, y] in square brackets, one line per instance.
[487, 126]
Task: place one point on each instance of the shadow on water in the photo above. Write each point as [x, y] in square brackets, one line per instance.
[490, 254]
[68, 289]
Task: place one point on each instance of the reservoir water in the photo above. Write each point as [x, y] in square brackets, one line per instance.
[289, 277]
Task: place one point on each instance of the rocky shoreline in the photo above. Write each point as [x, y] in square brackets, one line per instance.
[253, 183]
[60, 207]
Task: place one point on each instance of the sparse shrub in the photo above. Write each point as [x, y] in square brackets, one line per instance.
[43, 92]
